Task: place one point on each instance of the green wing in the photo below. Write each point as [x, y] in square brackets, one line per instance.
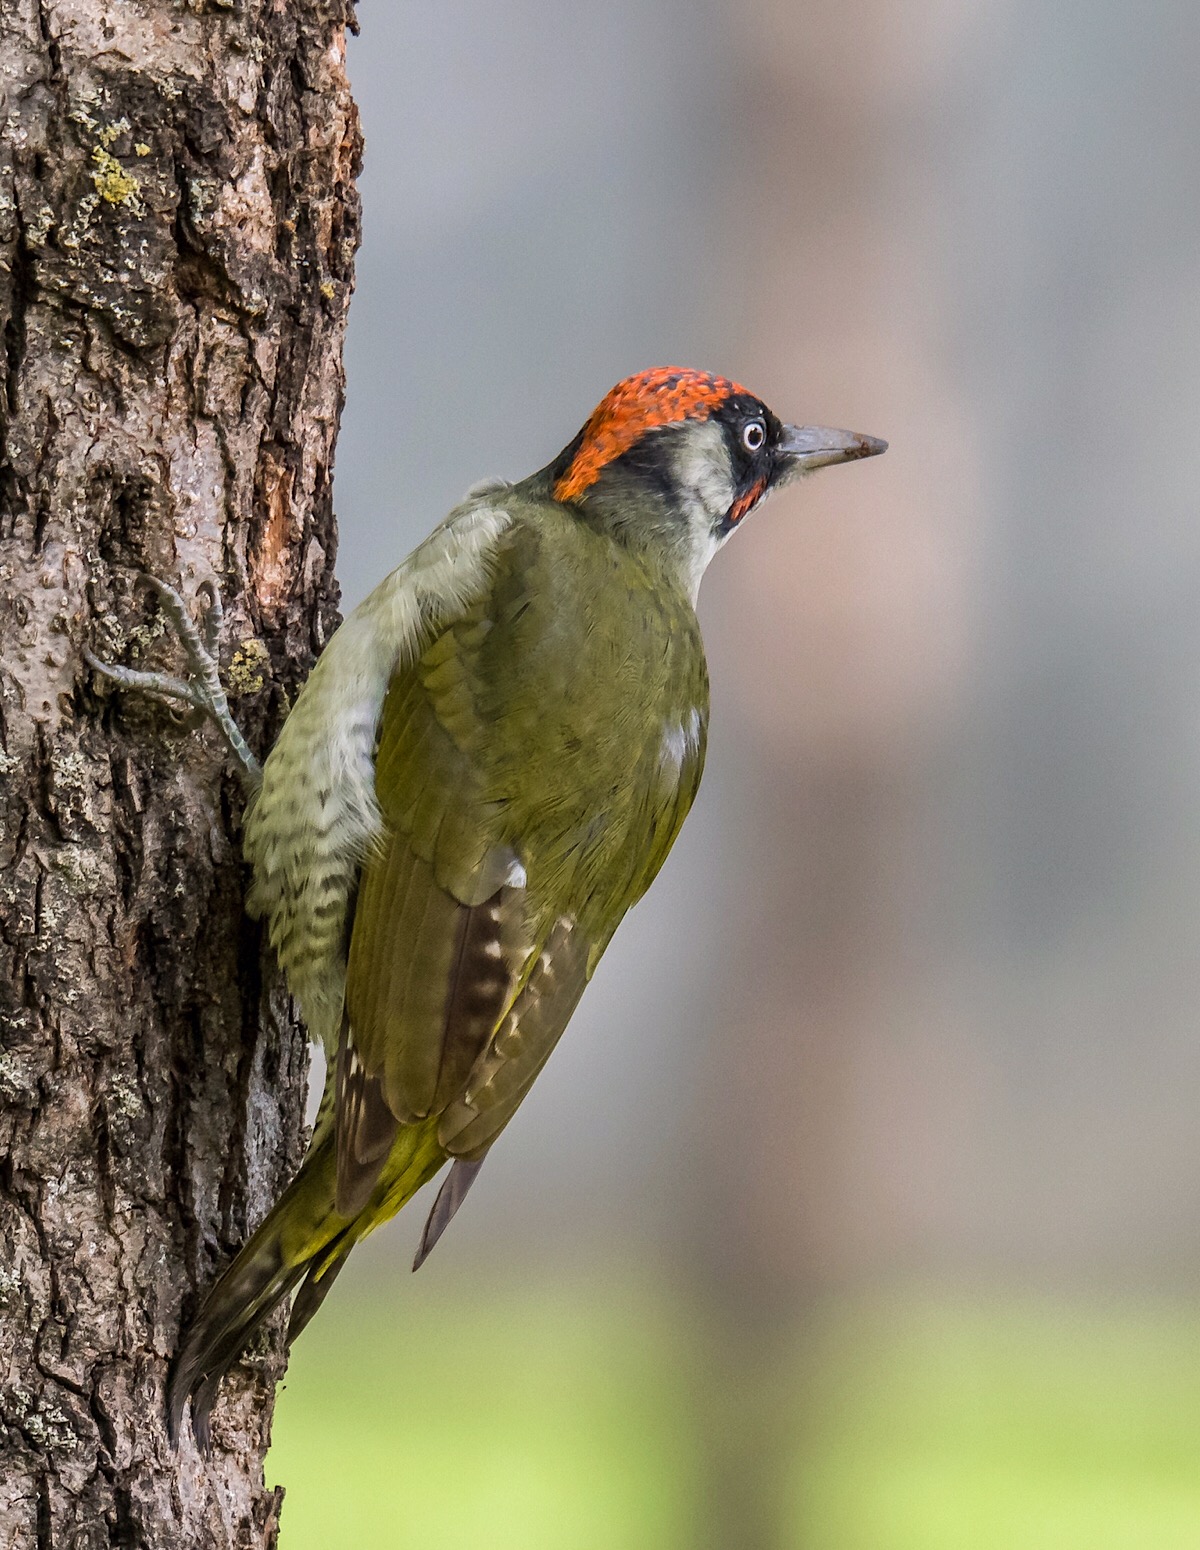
[523, 817]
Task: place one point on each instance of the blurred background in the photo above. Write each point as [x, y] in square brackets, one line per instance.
[860, 1208]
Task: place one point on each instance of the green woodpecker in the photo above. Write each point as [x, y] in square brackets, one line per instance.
[486, 768]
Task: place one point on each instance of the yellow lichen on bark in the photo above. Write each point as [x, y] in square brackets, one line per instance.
[114, 185]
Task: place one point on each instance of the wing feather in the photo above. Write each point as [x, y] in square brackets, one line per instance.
[521, 1045]
[366, 1128]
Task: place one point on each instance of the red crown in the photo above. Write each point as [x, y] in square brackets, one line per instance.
[664, 395]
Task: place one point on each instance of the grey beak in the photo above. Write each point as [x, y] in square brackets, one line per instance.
[804, 447]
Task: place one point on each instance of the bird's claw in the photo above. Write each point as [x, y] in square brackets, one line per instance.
[202, 689]
[213, 618]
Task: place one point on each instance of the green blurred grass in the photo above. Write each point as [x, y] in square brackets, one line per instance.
[562, 1415]
[993, 1425]
[545, 1415]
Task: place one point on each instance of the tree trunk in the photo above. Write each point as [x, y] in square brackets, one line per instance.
[178, 222]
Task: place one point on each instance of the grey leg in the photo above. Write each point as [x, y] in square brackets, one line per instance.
[202, 688]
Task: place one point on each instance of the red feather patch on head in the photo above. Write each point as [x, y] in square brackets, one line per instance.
[662, 396]
[747, 502]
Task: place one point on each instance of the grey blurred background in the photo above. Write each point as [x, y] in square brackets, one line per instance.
[915, 1000]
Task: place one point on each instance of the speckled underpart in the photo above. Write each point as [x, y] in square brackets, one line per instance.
[316, 817]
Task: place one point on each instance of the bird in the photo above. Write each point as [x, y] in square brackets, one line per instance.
[485, 770]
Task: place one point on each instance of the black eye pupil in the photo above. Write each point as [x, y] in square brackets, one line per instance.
[753, 436]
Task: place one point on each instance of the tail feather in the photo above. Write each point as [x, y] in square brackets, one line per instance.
[451, 1195]
[268, 1268]
[303, 1240]
[314, 1289]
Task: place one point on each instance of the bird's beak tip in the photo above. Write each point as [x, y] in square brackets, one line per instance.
[816, 446]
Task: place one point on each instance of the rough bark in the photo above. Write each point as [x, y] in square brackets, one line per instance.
[178, 222]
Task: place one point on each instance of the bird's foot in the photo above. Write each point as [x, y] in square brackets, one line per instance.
[202, 688]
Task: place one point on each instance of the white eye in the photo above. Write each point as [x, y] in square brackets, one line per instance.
[753, 436]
